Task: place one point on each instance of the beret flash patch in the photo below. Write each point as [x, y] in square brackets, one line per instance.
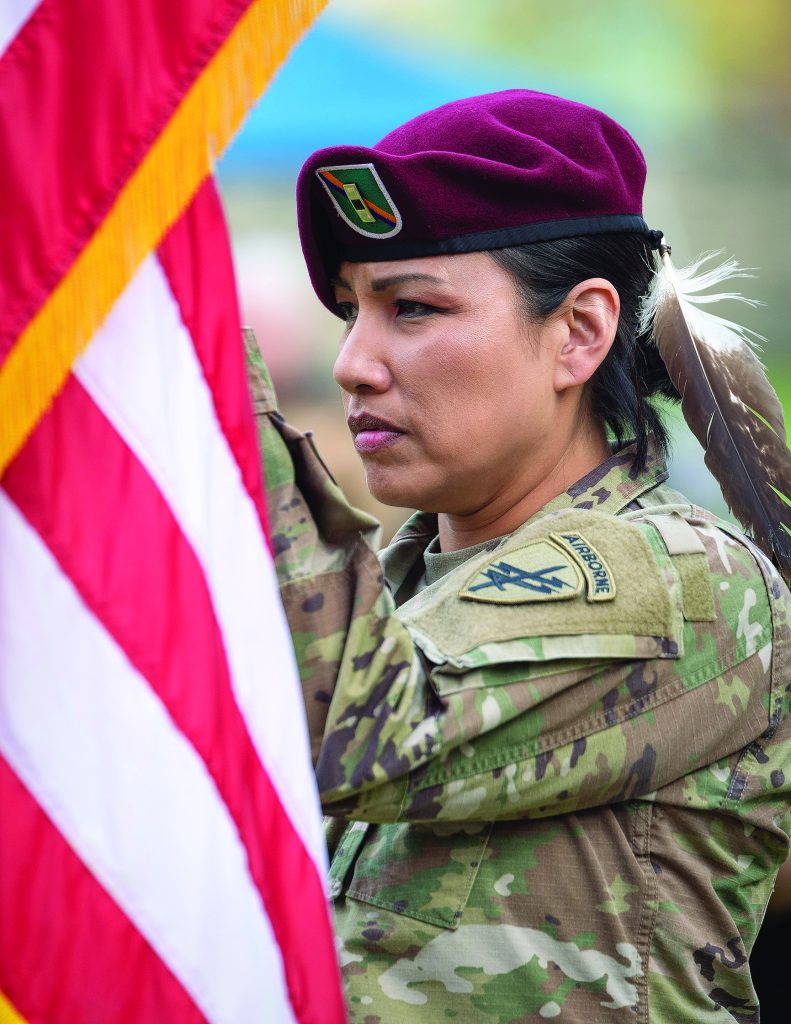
[360, 197]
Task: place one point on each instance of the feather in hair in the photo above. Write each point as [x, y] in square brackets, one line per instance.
[726, 399]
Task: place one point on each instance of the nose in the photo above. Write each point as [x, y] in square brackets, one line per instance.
[362, 364]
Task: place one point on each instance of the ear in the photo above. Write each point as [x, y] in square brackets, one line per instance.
[590, 320]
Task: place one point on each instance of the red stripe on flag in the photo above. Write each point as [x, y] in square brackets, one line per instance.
[67, 951]
[62, 169]
[99, 512]
[197, 262]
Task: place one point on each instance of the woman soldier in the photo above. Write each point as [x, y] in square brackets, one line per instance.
[549, 722]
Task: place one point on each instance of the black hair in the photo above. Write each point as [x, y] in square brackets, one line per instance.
[621, 390]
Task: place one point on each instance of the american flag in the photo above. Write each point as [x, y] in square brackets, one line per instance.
[160, 853]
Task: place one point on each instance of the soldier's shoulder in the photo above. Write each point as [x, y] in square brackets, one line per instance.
[573, 584]
[579, 584]
[701, 543]
[734, 600]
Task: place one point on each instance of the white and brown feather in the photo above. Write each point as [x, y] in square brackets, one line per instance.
[728, 404]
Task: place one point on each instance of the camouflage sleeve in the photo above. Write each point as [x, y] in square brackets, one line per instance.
[396, 735]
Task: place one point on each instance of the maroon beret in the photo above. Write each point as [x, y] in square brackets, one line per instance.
[480, 173]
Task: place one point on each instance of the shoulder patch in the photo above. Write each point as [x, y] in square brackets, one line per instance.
[598, 576]
[360, 197]
[524, 601]
[540, 571]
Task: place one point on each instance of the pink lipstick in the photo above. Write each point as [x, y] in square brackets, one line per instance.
[372, 434]
[374, 440]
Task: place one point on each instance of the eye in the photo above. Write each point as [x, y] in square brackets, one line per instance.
[411, 310]
[347, 312]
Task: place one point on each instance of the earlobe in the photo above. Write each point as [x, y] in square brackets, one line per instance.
[590, 323]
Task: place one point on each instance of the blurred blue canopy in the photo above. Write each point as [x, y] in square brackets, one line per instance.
[344, 85]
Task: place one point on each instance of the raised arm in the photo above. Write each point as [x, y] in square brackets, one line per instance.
[410, 721]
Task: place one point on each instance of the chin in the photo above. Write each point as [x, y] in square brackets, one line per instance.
[401, 489]
[392, 486]
[398, 497]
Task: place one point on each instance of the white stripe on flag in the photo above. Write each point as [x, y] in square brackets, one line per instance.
[13, 15]
[142, 371]
[99, 753]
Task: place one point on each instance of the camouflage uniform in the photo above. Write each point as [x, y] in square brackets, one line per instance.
[541, 807]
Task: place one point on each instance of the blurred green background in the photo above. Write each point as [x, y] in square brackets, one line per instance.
[703, 85]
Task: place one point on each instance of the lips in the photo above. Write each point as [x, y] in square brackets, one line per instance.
[372, 434]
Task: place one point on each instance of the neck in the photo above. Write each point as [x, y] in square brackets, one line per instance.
[512, 507]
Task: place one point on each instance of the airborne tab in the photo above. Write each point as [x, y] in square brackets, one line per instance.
[601, 584]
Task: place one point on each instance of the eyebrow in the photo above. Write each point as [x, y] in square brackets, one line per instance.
[383, 283]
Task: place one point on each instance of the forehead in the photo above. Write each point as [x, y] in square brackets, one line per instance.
[458, 271]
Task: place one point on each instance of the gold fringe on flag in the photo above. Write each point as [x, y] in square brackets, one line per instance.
[8, 1014]
[150, 202]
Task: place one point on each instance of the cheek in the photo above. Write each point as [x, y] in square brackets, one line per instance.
[471, 388]
[443, 396]
[500, 405]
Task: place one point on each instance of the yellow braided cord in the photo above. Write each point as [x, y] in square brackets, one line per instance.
[8, 1014]
[151, 201]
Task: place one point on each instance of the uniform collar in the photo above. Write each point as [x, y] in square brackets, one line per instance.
[610, 488]
[402, 559]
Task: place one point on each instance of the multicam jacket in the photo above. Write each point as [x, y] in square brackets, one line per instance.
[557, 775]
